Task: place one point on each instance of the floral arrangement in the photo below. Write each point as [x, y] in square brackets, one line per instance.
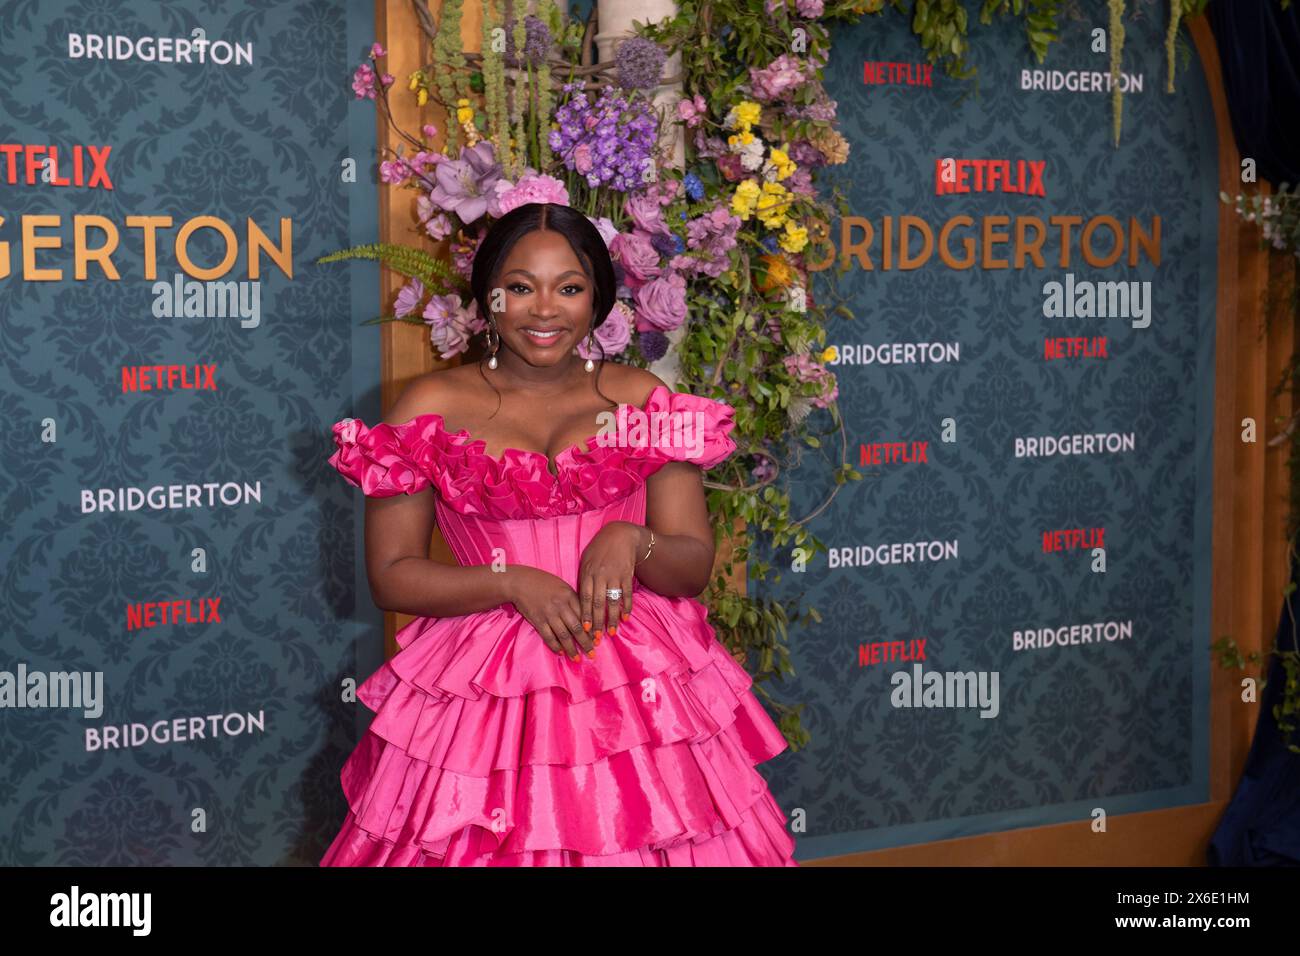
[725, 239]
[716, 258]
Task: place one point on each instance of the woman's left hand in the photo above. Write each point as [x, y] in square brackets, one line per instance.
[608, 561]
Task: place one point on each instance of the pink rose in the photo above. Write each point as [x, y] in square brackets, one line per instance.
[582, 158]
[535, 187]
[661, 304]
[640, 261]
[614, 334]
[646, 212]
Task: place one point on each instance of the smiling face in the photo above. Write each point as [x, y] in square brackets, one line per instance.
[542, 300]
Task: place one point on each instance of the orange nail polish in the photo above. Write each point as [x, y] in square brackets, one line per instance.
[592, 653]
[597, 640]
[625, 615]
[586, 625]
[612, 629]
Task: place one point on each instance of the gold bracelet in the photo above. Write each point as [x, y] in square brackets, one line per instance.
[651, 548]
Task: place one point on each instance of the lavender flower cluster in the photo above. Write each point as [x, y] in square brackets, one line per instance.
[610, 142]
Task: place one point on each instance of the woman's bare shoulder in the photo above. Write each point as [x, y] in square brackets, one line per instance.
[432, 393]
[633, 385]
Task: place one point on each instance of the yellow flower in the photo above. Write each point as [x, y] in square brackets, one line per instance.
[773, 205]
[462, 102]
[830, 354]
[464, 114]
[422, 97]
[747, 114]
[785, 166]
[742, 203]
[743, 138]
[794, 238]
[415, 81]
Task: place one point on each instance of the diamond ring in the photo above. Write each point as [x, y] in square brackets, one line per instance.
[614, 593]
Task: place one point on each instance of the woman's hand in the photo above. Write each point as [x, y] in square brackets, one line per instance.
[609, 561]
[551, 606]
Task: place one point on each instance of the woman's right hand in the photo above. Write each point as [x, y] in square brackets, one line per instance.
[551, 606]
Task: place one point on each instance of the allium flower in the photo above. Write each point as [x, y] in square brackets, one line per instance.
[638, 63]
[464, 185]
[537, 41]
[408, 298]
[654, 344]
[613, 335]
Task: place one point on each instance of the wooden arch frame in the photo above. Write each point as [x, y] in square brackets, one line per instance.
[1250, 488]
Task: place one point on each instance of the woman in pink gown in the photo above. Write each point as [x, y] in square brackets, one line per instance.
[514, 734]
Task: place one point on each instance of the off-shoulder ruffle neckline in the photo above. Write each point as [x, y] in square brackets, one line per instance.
[517, 482]
[463, 438]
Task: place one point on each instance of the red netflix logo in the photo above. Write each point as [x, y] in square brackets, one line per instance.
[1072, 539]
[162, 378]
[894, 452]
[989, 175]
[49, 159]
[882, 652]
[157, 613]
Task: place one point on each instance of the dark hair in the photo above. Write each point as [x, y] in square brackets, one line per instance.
[583, 238]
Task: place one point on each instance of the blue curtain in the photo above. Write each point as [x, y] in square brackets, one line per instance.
[1259, 46]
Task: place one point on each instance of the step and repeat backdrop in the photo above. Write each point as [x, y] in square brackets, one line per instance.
[1016, 599]
[179, 561]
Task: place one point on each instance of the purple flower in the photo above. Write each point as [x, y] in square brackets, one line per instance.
[661, 303]
[654, 344]
[613, 335]
[640, 261]
[804, 368]
[763, 470]
[806, 154]
[710, 237]
[537, 41]
[394, 171]
[450, 324]
[464, 185]
[783, 75]
[639, 63]
[408, 298]
[646, 212]
[692, 111]
[610, 142]
[605, 226]
[811, 9]
[363, 82]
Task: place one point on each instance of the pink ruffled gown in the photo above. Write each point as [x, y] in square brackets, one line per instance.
[487, 748]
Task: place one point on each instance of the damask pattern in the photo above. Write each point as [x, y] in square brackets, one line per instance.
[261, 142]
[1121, 726]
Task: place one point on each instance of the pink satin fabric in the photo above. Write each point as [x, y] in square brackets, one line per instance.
[488, 749]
